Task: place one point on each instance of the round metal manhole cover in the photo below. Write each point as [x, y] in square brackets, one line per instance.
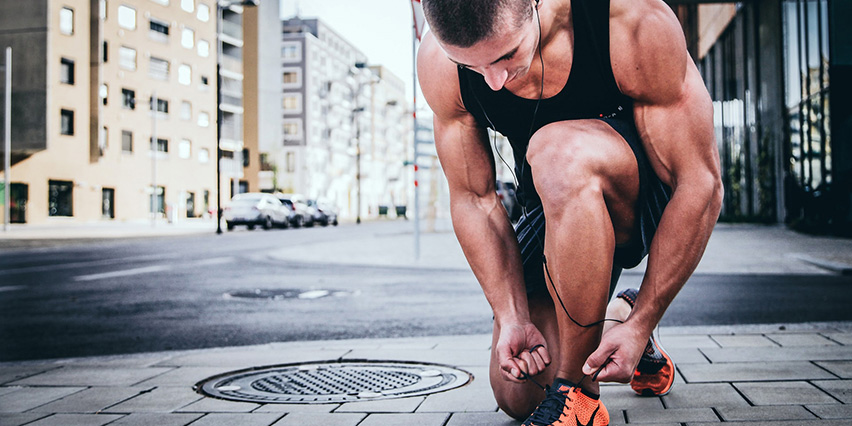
[333, 382]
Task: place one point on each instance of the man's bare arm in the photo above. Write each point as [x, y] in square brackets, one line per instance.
[479, 219]
[674, 116]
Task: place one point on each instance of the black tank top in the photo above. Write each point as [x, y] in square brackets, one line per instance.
[590, 92]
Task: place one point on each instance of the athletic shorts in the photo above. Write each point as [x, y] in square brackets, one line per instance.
[652, 200]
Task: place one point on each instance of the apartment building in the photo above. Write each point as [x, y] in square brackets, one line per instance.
[114, 108]
[346, 126]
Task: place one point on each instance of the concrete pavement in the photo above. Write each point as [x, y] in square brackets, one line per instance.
[790, 374]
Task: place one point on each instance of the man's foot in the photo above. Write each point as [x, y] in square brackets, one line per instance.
[654, 376]
[567, 404]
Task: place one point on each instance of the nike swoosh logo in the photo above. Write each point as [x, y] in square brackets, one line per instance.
[591, 419]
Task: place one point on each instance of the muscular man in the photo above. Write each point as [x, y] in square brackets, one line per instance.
[612, 133]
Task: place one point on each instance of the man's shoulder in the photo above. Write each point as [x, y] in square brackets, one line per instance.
[438, 78]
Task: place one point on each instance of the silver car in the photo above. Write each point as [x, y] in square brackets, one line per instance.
[255, 208]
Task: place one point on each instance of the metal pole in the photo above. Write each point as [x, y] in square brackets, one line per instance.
[416, 152]
[154, 145]
[218, 119]
[7, 153]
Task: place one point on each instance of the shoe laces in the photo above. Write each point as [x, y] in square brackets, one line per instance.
[550, 410]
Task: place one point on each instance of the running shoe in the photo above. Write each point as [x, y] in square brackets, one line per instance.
[567, 404]
[654, 375]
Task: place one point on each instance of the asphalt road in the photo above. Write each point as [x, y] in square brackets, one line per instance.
[152, 294]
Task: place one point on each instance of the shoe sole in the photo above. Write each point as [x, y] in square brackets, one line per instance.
[668, 388]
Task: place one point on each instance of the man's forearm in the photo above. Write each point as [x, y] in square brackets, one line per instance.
[677, 248]
[486, 237]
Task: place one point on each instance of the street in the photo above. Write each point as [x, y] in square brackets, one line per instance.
[184, 292]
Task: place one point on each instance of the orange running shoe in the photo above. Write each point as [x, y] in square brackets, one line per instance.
[566, 404]
[654, 375]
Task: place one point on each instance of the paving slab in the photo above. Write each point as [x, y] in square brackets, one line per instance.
[91, 376]
[839, 389]
[670, 341]
[476, 396]
[213, 405]
[781, 423]
[704, 395]
[832, 411]
[674, 415]
[76, 420]
[242, 419]
[19, 419]
[11, 373]
[784, 393]
[400, 405]
[687, 356]
[158, 419]
[301, 419]
[842, 369]
[807, 339]
[26, 398]
[91, 400]
[419, 419]
[743, 341]
[839, 337]
[458, 358]
[794, 353]
[182, 376]
[229, 360]
[752, 371]
[784, 412]
[159, 400]
[482, 419]
[620, 397]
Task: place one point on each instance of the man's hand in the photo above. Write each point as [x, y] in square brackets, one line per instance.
[616, 357]
[521, 349]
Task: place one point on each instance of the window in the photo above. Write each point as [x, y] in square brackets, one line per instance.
[185, 111]
[203, 155]
[203, 119]
[185, 74]
[162, 145]
[127, 17]
[160, 195]
[246, 156]
[291, 103]
[128, 99]
[203, 48]
[203, 12]
[66, 21]
[106, 52]
[159, 30]
[185, 148]
[108, 203]
[158, 68]
[187, 5]
[291, 162]
[187, 38]
[162, 105]
[66, 71]
[291, 52]
[291, 129]
[127, 58]
[205, 81]
[126, 141]
[102, 8]
[162, 2]
[67, 122]
[60, 198]
[104, 93]
[291, 77]
[103, 141]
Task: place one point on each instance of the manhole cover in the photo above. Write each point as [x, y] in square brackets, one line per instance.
[333, 382]
[282, 294]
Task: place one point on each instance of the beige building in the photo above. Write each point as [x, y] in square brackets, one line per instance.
[91, 69]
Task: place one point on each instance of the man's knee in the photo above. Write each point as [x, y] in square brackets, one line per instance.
[517, 404]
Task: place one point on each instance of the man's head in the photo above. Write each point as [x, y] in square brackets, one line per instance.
[463, 23]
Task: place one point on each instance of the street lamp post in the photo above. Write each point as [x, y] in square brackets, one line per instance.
[220, 6]
[359, 109]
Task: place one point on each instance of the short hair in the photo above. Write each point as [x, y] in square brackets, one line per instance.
[464, 23]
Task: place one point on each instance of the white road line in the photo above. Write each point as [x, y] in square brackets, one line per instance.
[213, 261]
[124, 273]
[12, 288]
[72, 265]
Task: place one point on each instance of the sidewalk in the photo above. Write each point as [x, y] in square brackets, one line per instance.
[798, 374]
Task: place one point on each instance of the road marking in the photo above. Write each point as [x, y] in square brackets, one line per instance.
[213, 261]
[72, 265]
[124, 273]
[12, 288]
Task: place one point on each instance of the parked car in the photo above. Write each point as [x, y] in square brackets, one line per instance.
[326, 213]
[506, 192]
[303, 215]
[253, 209]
